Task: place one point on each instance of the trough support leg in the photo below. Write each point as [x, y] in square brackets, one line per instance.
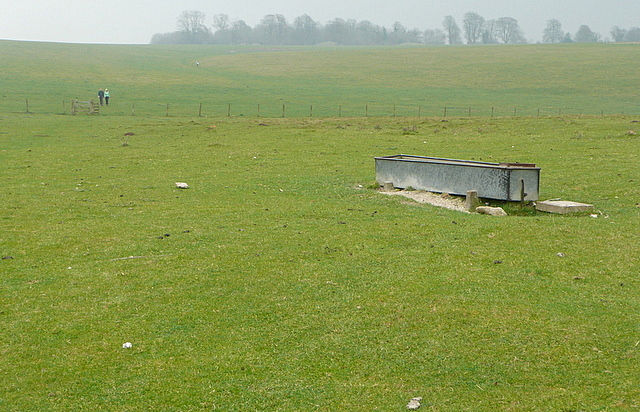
[472, 200]
[387, 187]
[522, 192]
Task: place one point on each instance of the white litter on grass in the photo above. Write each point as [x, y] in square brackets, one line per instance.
[182, 185]
[127, 345]
[594, 215]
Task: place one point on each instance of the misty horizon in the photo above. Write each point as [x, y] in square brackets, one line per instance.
[121, 22]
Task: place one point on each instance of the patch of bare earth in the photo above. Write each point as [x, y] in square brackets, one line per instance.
[435, 199]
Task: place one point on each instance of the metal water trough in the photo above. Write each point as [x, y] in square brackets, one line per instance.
[503, 181]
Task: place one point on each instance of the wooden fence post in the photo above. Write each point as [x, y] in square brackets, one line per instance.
[200, 111]
[167, 109]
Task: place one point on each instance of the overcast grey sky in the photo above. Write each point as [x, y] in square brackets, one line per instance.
[136, 21]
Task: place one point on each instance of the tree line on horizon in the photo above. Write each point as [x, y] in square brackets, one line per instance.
[274, 29]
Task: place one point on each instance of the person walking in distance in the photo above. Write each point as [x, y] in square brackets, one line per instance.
[106, 96]
[101, 96]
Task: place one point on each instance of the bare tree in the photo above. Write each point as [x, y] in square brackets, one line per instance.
[473, 25]
[413, 36]
[633, 34]
[274, 29]
[241, 32]
[490, 32]
[305, 30]
[553, 32]
[368, 33]
[451, 30]
[221, 21]
[435, 36]
[508, 30]
[585, 35]
[337, 30]
[618, 34]
[398, 34]
[191, 24]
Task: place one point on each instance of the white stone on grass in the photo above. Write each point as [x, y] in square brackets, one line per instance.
[493, 211]
[414, 403]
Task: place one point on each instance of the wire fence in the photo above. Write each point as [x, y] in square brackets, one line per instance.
[299, 110]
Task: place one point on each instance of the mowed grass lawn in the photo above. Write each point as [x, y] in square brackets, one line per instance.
[282, 281]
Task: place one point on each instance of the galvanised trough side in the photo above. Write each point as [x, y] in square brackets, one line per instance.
[502, 181]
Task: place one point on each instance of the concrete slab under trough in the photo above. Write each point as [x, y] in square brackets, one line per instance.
[562, 206]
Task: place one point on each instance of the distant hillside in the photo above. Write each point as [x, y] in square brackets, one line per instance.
[323, 81]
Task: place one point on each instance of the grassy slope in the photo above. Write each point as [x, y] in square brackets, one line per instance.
[574, 78]
[283, 286]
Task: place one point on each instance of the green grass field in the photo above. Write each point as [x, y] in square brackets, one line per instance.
[324, 82]
[280, 280]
